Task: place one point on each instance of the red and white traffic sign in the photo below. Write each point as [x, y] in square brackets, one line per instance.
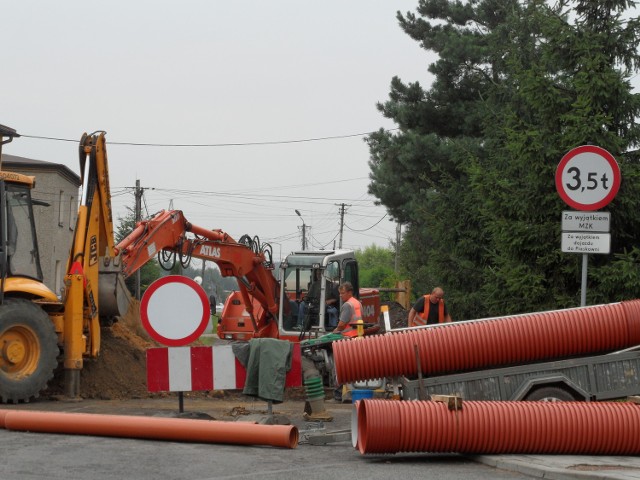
[175, 310]
[588, 178]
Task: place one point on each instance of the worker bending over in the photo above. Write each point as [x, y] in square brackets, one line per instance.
[429, 310]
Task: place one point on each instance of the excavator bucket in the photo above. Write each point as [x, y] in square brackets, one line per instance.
[113, 295]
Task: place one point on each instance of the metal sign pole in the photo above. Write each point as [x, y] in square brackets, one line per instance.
[587, 179]
[583, 293]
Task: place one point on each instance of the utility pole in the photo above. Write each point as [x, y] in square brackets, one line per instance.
[138, 217]
[304, 236]
[398, 237]
[304, 230]
[342, 207]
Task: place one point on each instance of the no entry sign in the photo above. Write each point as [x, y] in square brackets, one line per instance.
[175, 310]
[588, 178]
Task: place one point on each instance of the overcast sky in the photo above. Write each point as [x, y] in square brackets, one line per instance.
[216, 72]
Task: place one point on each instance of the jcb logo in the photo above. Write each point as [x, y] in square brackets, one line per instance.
[93, 250]
[209, 251]
[368, 311]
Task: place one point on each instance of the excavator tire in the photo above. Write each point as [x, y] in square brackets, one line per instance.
[28, 350]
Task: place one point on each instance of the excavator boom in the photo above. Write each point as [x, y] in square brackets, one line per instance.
[168, 233]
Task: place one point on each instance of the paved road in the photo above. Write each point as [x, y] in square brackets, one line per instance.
[31, 455]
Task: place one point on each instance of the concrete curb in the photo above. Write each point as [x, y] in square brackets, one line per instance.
[561, 467]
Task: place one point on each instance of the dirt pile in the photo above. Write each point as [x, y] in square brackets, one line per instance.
[120, 370]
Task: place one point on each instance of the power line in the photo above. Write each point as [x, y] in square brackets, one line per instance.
[224, 144]
[354, 230]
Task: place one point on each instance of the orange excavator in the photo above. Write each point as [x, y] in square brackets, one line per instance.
[169, 235]
[260, 308]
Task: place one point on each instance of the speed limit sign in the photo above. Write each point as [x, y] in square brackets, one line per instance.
[588, 178]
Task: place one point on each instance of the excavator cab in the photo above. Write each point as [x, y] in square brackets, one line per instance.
[18, 245]
[20, 270]
[301, 300]
[19, 248]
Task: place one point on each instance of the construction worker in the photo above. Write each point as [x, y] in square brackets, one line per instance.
[351, 309]
[350, 314]
[429, 310]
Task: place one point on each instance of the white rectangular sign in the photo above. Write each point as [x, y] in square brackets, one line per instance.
[585, 221]
[579, 242]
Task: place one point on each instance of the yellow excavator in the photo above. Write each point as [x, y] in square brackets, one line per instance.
[37, 329]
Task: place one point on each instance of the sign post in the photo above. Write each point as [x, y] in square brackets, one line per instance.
[175, 311]
[587, 179]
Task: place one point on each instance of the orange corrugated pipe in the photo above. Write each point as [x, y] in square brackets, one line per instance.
[575, 428]
[511, 340]
[130, 426]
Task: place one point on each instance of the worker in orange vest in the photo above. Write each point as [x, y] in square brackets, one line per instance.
[429, 310]
[350, 315]
[351, 309]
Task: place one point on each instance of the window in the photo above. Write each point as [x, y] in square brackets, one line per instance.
[60, 209]
[73, 212]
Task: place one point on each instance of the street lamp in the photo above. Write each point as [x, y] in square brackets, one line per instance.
[304, 231]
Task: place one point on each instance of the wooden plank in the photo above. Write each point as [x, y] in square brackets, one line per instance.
[454, 402]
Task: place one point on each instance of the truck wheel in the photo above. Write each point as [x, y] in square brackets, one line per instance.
[551, 394]
[28, 350]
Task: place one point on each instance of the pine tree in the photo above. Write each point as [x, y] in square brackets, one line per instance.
[471, 170]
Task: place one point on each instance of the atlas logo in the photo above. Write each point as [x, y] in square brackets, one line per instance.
[209, 251]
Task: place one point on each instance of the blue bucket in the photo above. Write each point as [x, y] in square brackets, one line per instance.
[360, 395]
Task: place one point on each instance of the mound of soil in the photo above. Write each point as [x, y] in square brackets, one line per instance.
[120, 370]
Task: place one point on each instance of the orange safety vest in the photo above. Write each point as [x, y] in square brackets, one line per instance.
[357, 309]
[351, 330]
[421, 319]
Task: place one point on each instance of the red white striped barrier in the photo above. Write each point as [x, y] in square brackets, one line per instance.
[190, 369]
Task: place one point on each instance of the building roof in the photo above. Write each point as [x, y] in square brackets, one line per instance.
[9, 161]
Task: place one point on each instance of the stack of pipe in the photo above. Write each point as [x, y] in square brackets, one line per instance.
[568, 428]
[479, 344]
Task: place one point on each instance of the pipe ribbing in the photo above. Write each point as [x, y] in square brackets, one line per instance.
[568, 428]
[511, 340]
[157, 428]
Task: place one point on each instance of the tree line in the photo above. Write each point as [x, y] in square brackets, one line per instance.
[469, 172]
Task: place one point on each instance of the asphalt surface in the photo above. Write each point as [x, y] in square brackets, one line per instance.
[338, 432]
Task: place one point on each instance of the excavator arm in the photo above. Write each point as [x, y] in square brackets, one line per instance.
[168, 233]
[92, 248]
